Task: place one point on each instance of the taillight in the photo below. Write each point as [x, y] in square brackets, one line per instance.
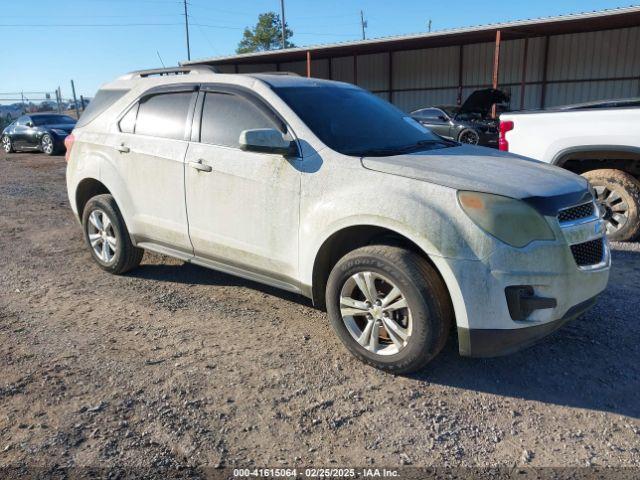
[68, 143]
[505, 127]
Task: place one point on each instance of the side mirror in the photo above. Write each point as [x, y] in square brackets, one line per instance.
[443, 118]
[266, 140]
[29, 124]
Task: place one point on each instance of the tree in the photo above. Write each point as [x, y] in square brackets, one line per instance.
[266, 35]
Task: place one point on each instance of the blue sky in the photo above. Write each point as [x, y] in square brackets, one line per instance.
[42, 56]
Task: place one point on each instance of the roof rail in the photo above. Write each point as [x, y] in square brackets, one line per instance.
[190, 70]
[280, 72]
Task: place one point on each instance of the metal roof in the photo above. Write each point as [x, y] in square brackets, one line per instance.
[573, 23]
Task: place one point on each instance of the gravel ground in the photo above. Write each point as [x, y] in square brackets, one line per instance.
[175, 365]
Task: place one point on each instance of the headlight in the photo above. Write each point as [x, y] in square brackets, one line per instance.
[59, 132]
[510, 220]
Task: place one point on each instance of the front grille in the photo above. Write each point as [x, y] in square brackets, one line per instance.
[576, 213]
[588, 253]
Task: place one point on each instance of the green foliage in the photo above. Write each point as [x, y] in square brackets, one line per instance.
[266, 35]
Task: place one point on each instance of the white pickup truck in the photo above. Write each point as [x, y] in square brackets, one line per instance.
[600, 141]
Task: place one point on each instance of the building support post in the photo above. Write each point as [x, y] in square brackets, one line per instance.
[355, 70]
[545, 64]
[308, 63]
[523, 82]
[496, 68]
[460, 73]
[390, 79]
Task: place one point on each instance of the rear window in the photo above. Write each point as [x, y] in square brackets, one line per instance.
[103, 100]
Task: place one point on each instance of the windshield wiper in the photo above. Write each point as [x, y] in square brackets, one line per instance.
[414, 147]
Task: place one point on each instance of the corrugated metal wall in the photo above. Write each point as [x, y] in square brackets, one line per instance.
[580, 67]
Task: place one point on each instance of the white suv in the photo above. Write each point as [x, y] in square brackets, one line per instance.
[324, 189]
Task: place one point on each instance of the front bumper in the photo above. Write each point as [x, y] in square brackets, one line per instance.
[494, 342]
[561, 290]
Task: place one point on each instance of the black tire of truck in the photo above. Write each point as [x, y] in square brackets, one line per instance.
[619, 193]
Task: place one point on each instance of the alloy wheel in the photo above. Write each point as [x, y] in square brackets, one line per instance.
[616, 210]
[47, 144]
[469, 137]
[6, 144]
[375, 312]
[101, 235]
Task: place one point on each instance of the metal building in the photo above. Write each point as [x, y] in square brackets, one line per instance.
[542, 62]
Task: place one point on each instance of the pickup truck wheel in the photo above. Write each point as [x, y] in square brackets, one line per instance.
[108, 237]
[389, 307]
[619, 195]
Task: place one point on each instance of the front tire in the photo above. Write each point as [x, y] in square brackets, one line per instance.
[389, 307]
[107, 236]
[7, 144]
[48, 144]
[619, 194]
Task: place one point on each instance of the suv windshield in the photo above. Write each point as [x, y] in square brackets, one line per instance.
[52, 119]
[353, 121]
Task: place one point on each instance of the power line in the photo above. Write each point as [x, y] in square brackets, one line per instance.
[68, 25]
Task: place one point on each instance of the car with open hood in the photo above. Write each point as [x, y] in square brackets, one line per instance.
[324, 189]
[469, 123]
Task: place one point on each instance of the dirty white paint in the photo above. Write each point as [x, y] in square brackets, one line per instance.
[266, 217]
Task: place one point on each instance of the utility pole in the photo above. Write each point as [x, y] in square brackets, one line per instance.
[58, 100]
[363, 23]
[186, 26]
[284, 36]
[429, 26]
[75, 100]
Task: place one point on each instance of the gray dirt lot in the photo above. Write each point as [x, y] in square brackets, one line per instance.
[174, 364]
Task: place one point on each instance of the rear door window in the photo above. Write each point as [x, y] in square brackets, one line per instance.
[226, 115]
[164, 115]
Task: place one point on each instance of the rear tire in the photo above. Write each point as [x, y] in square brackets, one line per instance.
[107, 236]
[424, 323]
[469, 137]
[619, 194]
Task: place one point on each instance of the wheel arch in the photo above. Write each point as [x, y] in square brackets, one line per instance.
[348, 238]
[581, 159]
[86, 190]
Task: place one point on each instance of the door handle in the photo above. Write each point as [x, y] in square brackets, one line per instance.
[200, 166]
[122, 148]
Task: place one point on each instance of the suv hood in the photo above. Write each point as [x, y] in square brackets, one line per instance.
[487, 170]
[481, 101]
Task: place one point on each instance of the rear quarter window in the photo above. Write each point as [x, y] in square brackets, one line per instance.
[103, 100]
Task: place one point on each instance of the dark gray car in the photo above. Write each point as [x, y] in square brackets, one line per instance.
[470, 123]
